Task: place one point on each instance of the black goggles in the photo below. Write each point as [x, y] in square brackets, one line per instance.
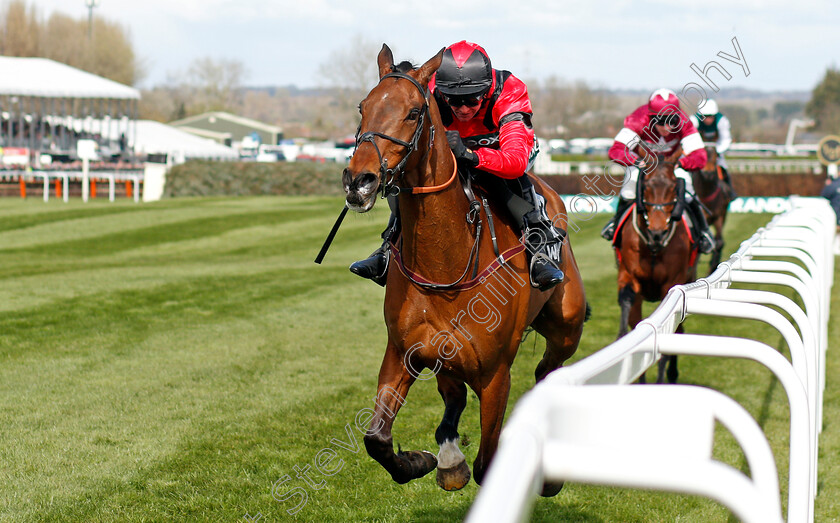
[457, 101]
[670, 120]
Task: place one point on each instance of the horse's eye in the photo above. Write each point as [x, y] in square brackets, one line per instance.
[360, 108]
[413, 114]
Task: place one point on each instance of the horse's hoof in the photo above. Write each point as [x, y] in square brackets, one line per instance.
[420, 461]
[454, 478]
[551, 489]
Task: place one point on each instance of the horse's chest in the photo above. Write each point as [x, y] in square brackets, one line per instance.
[458, 340]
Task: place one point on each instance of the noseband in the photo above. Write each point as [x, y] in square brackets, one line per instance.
[654, 245]
[391, 175]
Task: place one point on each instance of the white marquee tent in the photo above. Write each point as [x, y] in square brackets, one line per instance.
[44, 78]
[47, 105]
[179, 146]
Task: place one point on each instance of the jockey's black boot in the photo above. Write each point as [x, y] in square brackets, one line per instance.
[730, 189]
[543, 241]
[375, 266]
[608, 232]
[705, 240]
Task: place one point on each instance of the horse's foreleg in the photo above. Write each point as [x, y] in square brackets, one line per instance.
[660, 375]
[492, 399]
[714, 260]
[394, 382]
[626, 299]
[452, 471]
[631, 313]
[668, 364]
[673, 373]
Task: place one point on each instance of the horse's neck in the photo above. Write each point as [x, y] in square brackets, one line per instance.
[434, 226]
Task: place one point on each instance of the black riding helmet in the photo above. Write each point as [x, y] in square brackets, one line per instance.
[464, 71]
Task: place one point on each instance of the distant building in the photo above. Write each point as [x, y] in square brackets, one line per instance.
[229, 129]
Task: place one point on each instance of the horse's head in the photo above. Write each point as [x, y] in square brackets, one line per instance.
[709, 172]
[660, 200]
[393, 134]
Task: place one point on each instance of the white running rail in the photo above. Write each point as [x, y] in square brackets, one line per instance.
[575, 424]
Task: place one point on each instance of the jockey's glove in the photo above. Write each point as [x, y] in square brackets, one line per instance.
[460, 150]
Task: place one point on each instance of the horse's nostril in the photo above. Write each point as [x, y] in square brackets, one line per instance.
[366, 180]
[365, 183]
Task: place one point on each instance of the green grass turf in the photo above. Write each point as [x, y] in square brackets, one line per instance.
[173, 361]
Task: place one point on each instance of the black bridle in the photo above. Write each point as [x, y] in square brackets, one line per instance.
[645, 207]
[391, 175]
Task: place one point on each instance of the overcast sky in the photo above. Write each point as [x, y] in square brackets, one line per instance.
[646, 44]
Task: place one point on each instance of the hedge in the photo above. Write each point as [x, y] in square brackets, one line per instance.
[209, 178]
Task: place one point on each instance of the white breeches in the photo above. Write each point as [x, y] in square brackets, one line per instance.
[628, 187]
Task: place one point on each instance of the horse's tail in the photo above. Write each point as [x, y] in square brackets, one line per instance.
[588, 313]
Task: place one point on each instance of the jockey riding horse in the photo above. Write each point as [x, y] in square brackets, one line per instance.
[487, 115]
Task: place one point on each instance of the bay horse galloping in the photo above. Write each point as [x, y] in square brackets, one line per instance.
[655, 250]
[452, 304]
[713, 193]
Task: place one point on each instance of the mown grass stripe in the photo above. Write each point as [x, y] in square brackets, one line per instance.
[176, 374]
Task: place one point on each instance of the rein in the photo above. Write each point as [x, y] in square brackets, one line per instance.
[645, 236]
[712, 196]
[717, 175]
[644, 206]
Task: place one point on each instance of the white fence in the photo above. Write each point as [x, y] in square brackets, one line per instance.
[112, 177]
[546, 166]
[583, 423]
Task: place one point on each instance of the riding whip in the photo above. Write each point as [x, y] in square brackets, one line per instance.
[330, 236]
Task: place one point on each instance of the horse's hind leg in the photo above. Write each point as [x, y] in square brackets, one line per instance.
[452, 470]
[557, 351]
[560, 321]
[562, 329]
[394, 382]
[492, 397]
[667, 369]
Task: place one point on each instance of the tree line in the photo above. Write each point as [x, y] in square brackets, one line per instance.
[108, 53]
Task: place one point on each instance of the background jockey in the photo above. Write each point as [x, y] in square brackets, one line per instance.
[714, 127]
[661, 128]
[487, 114]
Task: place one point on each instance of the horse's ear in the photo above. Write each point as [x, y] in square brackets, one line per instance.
[385, 61]
[424, 73]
